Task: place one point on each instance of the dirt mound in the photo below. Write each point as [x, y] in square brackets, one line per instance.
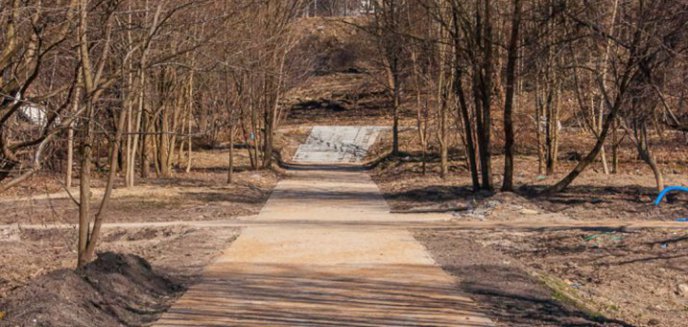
[114, 290]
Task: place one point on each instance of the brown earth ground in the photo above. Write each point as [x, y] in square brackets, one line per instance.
[201, 194]
[593, 195]
[531, 273]
[637, 277]
[120, 289]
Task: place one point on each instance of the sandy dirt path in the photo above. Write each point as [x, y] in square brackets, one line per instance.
[325, 255]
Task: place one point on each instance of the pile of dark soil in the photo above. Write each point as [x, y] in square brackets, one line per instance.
[114, 290]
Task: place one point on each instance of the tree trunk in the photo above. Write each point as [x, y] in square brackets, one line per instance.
[485, 99]
[230, 171]
[468, 130]
[552, 140]
[145, 151]
[421, 112]
[94, 235]
[615, 147]
[190, 120]
[442, 107]
[462, 105]
[508, 183]
[643, 146]
[267, 138]
[84, 195]
[580, 167]
[70, 157]
[137, 128]
[86, 146]
[539, 127]
[605, 65]
[395, 115]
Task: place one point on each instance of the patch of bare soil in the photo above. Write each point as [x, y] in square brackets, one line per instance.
[194, 196]
[39, 261]
[506, 290]
[340, 85]
[593, 196]
[533, 277]
[40, 183]
[201, 194]
[412, 180]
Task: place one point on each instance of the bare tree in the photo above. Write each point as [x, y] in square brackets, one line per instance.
[642, 45]
[512, 51]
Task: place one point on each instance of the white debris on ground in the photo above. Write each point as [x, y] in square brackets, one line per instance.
[31, 112]
[34, 114]
[337, 144]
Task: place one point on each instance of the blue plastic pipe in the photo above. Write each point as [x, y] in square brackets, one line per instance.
[667, 190]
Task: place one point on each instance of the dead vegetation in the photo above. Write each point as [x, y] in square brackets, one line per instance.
[564, 277]
[201, 194]
[625, 195]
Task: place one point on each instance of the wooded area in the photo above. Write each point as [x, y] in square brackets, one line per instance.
[106, 95]
[141, 80]
[605, 67]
